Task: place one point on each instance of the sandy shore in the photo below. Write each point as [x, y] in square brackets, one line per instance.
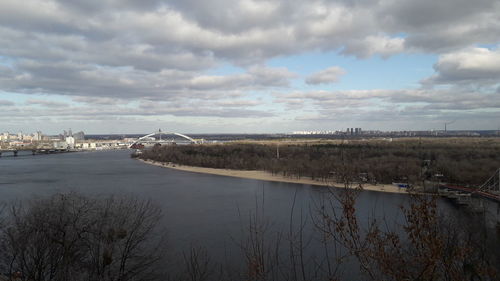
[261, 175]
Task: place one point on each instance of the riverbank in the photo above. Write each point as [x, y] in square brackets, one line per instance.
[262, 175]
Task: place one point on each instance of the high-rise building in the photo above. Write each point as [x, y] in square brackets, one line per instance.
[37, 136]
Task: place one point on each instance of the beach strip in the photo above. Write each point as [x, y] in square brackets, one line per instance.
[266, 176]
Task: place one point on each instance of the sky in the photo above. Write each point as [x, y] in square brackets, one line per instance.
[248, 66]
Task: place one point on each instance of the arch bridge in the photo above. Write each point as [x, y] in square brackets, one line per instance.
[145, 139]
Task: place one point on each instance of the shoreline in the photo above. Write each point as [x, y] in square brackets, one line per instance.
[265, 176]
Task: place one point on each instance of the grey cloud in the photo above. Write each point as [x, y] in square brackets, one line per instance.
[439, 26]
[141, 36]
[69, 78]
[429, 13]
[6, 103]
[372, 45]
[418, 103]
[487, 103]
[238, 103]
[273, 77]
[205, 108]
[98, 52]
[98, 113]
[145, 35]
[241, 15]
[400, 119]
[46, 103]
[99, 100]
[215, 112]
[257, 77]
[329, 75]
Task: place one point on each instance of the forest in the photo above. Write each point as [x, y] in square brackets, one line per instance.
[455, 160]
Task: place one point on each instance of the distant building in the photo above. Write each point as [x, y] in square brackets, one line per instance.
[60, 145]
[79, 136]
[37, 136]
[70, 141]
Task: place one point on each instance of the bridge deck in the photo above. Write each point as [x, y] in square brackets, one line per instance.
[473, 191]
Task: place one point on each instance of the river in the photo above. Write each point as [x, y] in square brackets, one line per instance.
[198, 209]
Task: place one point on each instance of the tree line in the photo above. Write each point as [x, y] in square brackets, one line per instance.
[468, 163]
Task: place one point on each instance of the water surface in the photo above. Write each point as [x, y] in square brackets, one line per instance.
[199, 209]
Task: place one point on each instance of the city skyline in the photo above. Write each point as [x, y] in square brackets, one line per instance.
[249, 66]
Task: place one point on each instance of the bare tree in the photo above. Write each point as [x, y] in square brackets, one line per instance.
[425, 247]
[73, 237]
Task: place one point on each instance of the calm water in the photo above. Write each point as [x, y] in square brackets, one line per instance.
[199, 209]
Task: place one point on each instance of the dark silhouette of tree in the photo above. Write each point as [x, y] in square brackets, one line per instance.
[428, 246]
[72, 237]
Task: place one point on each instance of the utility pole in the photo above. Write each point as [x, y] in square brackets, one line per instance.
[278, 150]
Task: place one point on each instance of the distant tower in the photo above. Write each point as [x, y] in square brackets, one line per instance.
[448, 123]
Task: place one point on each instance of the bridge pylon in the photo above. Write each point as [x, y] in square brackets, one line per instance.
[492, 184]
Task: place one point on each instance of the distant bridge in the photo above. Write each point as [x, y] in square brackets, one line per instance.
[145, 139]
[484, 199]
[34, 151]
[489, 189]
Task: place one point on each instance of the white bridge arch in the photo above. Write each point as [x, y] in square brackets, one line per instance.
[159, 132]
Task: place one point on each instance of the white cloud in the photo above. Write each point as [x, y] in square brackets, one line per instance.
[471, 65]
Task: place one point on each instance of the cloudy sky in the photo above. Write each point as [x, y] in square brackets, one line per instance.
[248, 66]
